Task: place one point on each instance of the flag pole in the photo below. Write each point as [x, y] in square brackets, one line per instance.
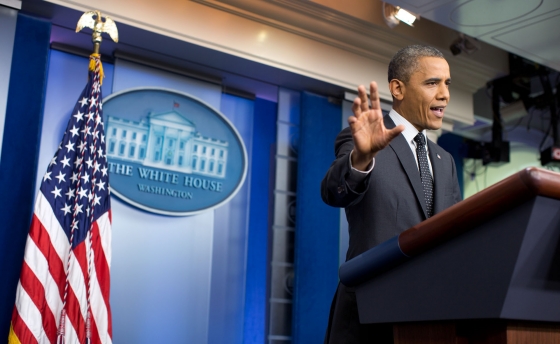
[94, 21]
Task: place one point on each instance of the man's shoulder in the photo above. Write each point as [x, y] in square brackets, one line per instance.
[437, 148]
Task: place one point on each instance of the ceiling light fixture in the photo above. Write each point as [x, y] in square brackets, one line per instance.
[394, 15]
[405, 16]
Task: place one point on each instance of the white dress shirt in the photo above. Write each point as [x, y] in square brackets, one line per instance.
[409, 134]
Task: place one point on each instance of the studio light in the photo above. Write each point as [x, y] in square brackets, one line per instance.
[405, 16]
[394, 15]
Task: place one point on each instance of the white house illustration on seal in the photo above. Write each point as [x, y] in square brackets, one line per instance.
[168, 141]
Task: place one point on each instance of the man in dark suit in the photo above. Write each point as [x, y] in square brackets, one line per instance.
[387, 175]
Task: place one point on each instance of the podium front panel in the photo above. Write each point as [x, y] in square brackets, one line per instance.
[505, 268]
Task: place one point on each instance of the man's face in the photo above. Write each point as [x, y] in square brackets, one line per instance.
[426, 94]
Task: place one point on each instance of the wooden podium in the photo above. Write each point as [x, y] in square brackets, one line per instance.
[486, 270]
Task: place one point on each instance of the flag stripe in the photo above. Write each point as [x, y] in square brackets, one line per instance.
[56, 235]
[51, 267]
[94, 332]
[36, 292]
[104, 227]
[102, 233]
[41, 268]
[19, 332]
[77, 295]
[79, 256]
[101, 285]
[75, 320]
[38, 269]
[28, 330]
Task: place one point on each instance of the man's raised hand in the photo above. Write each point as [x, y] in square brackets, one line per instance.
[368, 130]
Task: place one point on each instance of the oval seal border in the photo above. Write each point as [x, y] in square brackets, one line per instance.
[221, 116]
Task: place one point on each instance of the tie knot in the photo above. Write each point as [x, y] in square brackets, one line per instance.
[420, 140]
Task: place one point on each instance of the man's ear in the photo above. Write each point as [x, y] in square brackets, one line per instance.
[397, 89]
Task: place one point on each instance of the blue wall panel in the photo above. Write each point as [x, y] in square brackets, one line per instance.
[454, 145]
[264, 138]
[317, 225]
[229, 253]
[19, 153]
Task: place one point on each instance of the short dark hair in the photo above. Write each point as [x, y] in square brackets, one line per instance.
[405, 61]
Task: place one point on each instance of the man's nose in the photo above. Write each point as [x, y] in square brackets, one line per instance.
[443, 92]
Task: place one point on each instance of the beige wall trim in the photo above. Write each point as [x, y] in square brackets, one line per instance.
[301, 37]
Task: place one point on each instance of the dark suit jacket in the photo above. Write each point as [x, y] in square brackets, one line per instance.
[389, 200]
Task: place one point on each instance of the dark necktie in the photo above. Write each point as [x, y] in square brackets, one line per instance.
[425, 175]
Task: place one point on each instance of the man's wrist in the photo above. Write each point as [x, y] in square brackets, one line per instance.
[361, 164]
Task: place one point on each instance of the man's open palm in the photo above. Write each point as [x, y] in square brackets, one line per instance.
[368, 130]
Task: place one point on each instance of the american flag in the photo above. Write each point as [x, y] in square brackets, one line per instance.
[63, 290]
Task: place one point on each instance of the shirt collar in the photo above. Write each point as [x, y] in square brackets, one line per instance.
[409, 130]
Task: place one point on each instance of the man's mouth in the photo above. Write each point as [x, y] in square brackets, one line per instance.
[438, 110]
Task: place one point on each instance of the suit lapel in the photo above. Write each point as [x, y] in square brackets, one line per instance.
[439, 171]
[408, 162]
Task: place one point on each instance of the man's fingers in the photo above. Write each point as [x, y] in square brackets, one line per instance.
[362, 94]
[357, 107]
[374, 96]
[391, 134]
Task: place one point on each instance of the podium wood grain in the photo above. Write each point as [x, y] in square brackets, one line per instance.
[477, 332]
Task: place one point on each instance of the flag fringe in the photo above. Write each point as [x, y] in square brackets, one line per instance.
[92, 67]
[61, 327]
[12, 337]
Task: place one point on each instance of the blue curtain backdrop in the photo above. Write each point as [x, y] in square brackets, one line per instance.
[22, 130]
[317, 225]
[256, 287]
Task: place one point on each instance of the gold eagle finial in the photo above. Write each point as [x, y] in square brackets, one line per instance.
[94, 21]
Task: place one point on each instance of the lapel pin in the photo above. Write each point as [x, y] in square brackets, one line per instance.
[439, 157]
